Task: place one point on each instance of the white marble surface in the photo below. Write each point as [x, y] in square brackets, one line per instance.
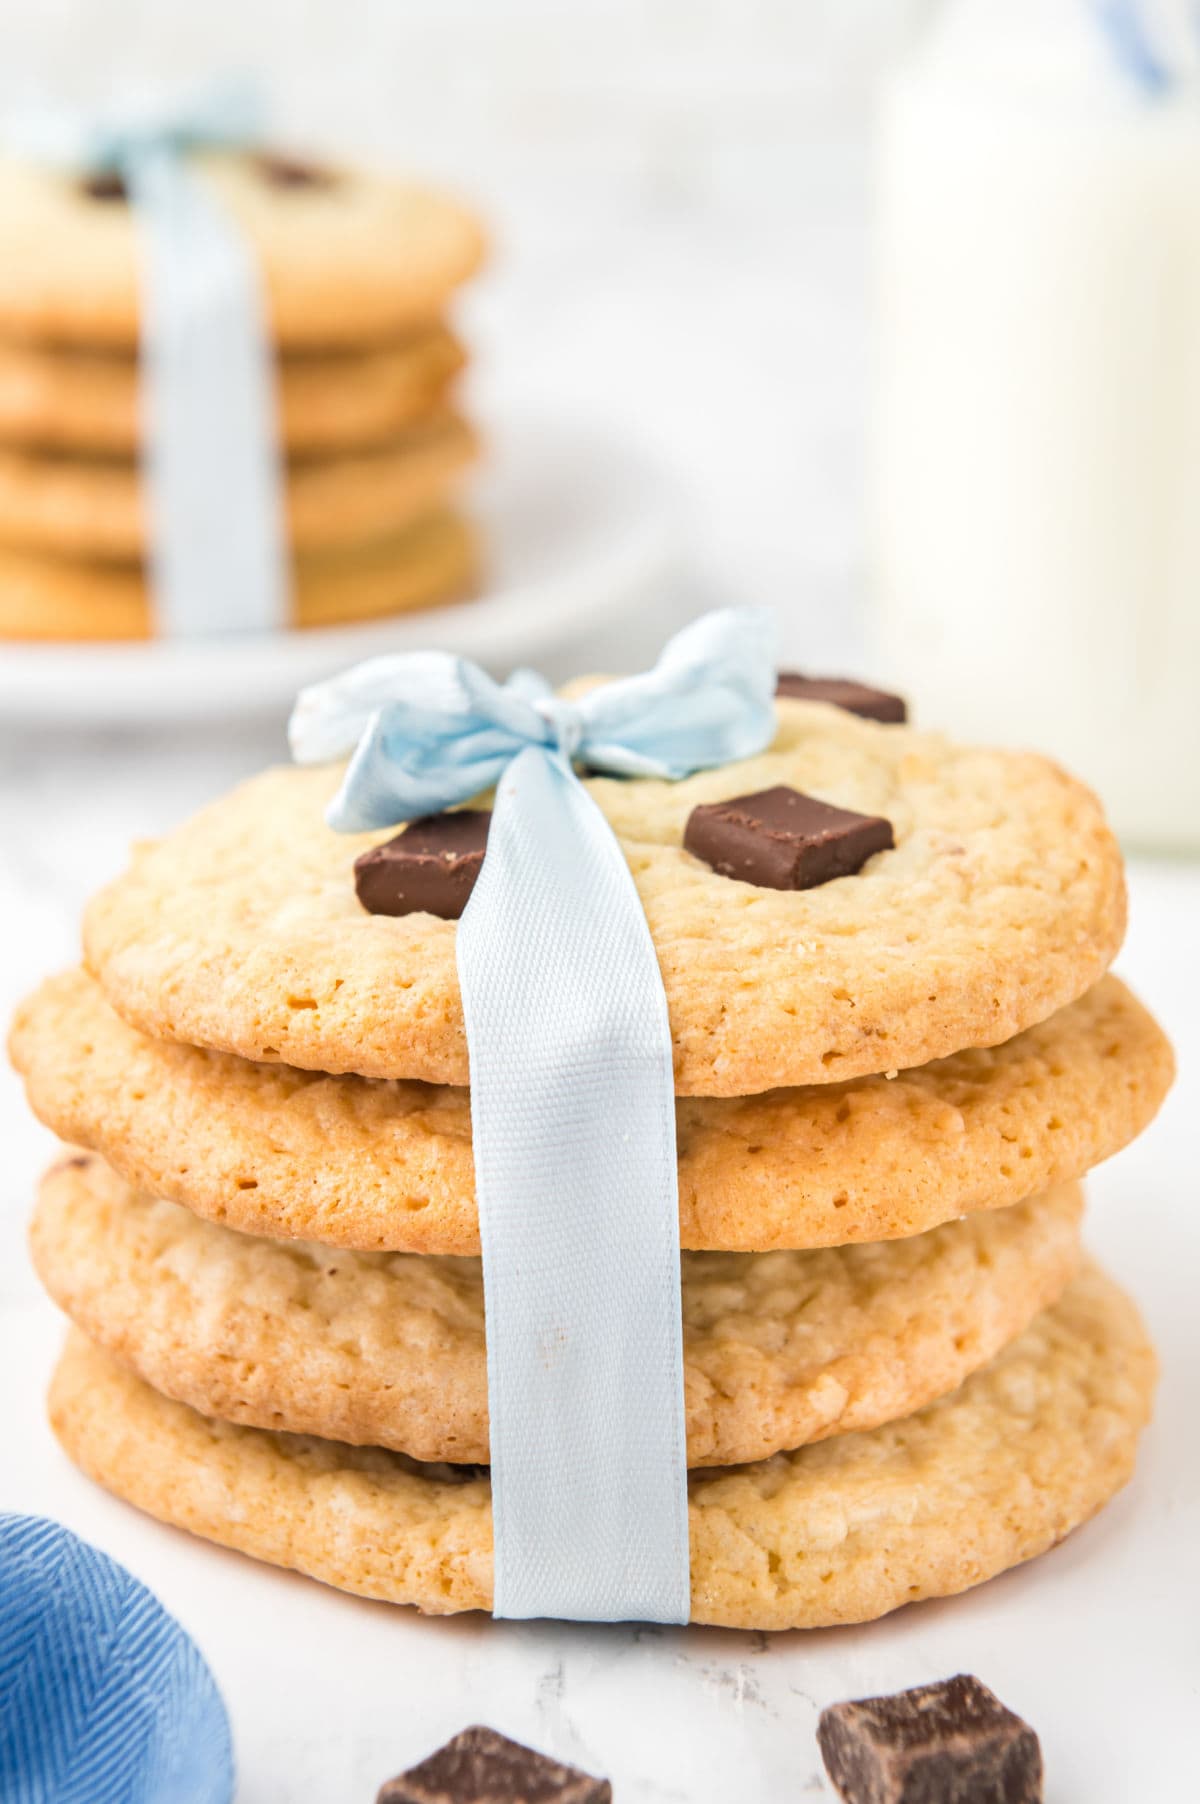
[1096, 1643]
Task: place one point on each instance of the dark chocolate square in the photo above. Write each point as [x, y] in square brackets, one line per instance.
[781, 839]
[429, 868]
[105, 184]
[481, 1766]
[293, 172]
[844, 692]
[953, 1742]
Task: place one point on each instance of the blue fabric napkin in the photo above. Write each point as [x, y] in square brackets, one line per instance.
[103, 1697]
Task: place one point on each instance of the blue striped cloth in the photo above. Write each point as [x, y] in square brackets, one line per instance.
[103, 1697]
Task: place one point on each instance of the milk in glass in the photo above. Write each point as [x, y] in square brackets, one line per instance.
[1037, 453]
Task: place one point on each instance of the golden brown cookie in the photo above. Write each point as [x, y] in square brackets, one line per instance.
[347, 257]
[372, 1164]
[1003, 900]
[844, 1531]
[65, 398]
[435, 560]
[94, 507]
[387, 1349]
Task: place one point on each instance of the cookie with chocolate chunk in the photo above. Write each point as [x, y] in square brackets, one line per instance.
[387, 1349]
[1002, 900]
[844, 1531]
[344, 256]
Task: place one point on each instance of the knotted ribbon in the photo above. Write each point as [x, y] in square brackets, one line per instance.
[102, 1694]
[572, 1089]
[210, 461]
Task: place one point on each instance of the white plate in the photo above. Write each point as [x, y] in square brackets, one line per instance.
[579, 533]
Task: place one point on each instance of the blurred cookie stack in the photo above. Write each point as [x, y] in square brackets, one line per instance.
[357, 274]
[896, 1050]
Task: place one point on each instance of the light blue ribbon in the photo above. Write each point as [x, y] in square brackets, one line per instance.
[103, 1697]
[429, 731]
[1155, 45]
[210, 459]
[572, 1090]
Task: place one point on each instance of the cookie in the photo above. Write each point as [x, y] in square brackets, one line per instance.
[365, 1163]
[1002, 901]
[780, 1349]
[93, 507]
[844, 1531]
[70, 399]
[435, 560]
[345, 258]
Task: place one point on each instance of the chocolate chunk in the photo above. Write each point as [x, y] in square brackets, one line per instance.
[429, 868]
[843, 692]
[953, 1740]
[293, 172]
[106, 184]
[482, 1767]
[780, 839]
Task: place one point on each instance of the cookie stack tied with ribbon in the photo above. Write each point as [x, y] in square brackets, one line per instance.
[772, 978]
[227, 381]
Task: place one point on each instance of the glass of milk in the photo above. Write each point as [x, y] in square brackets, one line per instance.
[1037, 450]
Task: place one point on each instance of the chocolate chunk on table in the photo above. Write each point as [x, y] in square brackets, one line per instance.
[949, 1743]
[781, 839]
[843, 692]
[481, 1766]
[429, 868]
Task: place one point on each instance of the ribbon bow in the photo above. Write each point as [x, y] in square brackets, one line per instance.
[429, 731]
[209, 453]
[121, 138]
[572, 1089]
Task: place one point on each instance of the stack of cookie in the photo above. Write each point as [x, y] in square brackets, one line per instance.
[901, 1376]
[357, 273]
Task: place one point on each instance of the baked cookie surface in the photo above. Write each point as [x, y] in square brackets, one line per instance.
[1002, 901]
[95, 507]
[780, 1349]
[844, 1531]
[437, 559]
[377, 1164]
[348, 257]
[68, 399]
